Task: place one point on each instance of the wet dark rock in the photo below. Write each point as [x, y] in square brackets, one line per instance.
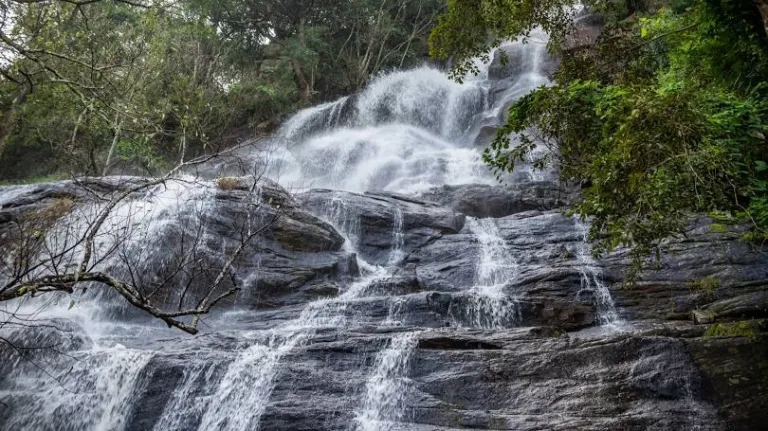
[481, 200]
[533, 385]
[565, 313]
[749, 306]
[506, 63]
[278, 211]
[546, 332]
[455, 343]
[709, 265]
[286, 278]
[14, 197]
[372, 218]
[586, 30]
[40, 341]
[735, 372]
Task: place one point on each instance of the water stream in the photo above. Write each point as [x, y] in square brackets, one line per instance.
[406, 132]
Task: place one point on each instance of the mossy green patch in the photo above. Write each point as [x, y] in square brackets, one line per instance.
[707, 286]
[718, 228]
[35, 180]
[742, 328]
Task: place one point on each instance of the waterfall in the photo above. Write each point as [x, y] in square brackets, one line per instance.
[591, 279]
[396, 255]
[179, 413]
[247, 382]
[490, 304]
[386, 388]
[408, 132]
[93, 394]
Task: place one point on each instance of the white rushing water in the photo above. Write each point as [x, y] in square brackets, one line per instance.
[386, 388]
[94, 394]
[406, 132]
[491, 304]
[251, 376]
[592, 281]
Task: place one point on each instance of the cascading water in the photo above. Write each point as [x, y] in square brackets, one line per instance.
[491, 305]
[386, 389]
[591, 280]
[408, 132]
[94, 394]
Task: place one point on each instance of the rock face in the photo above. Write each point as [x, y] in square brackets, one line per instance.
[734, 372]
[413, 330]
[299, 256]
[483, 200]
[710, 270]
[586, 30]
[372, 218]
[466, 307]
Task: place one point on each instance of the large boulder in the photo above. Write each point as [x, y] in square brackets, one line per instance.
[293, 257]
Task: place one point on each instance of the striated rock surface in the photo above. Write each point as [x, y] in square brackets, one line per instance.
[527, 371]
[456, 303]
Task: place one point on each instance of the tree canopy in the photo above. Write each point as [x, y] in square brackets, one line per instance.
[663, 116]
[99, 86]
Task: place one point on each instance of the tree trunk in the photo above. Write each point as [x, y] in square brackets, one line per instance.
[183, 149]
[305, 86]
[305, 89]
[112, 147]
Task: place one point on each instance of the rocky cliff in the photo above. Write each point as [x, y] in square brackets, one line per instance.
[399, 287]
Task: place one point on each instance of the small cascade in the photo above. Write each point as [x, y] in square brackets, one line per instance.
[94, 394]
[248, 382]
[397, 254]
[395, 312]
[250, 378]
[387, 387]
[312, 120]
[591, 279]
[178, 414]
[667, 367]
[490, 305]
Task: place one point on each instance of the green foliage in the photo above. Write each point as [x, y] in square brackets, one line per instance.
[735, 329]
[666, 115]
[471, 28]
[718, 228]
[109, 86]
[35, 180]
[707, 286]
[758, 206]
[228, 183]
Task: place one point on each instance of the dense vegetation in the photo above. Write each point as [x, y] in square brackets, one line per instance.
[665, 114]
[99, 86]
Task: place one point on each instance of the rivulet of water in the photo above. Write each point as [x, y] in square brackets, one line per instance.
[491, 304]
[387, 386]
